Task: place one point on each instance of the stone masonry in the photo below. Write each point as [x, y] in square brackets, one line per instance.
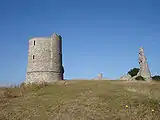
[100, 76]
[144, 69]
[45, 59]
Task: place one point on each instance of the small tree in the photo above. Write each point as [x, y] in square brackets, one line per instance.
[156, 77]
[133, 72]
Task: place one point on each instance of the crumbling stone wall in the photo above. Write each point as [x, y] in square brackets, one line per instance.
[144, 69]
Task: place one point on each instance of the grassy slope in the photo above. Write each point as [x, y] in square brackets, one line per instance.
[82, 100]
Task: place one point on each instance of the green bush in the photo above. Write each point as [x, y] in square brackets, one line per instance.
[133, 72]
[140, 78]
[156, 77]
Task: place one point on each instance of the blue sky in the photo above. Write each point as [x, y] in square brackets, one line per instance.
[98, 35]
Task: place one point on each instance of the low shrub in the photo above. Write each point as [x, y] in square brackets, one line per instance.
[140, 78]
[156, 78]
[10, 93]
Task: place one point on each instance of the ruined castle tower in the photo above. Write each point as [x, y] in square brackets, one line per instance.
[45, 59]
[144, 69]
[100, 76]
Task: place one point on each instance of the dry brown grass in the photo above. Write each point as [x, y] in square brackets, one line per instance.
[81, 100]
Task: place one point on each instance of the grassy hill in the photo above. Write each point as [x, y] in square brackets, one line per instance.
[82, 100]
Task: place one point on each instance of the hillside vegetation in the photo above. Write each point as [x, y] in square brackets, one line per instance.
[82, 100]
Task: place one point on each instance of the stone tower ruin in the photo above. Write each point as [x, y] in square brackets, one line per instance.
[44, 59]
[144, 69]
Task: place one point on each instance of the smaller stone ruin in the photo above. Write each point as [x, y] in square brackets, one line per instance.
[100, 76]
[126, 77]
[144, 69]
